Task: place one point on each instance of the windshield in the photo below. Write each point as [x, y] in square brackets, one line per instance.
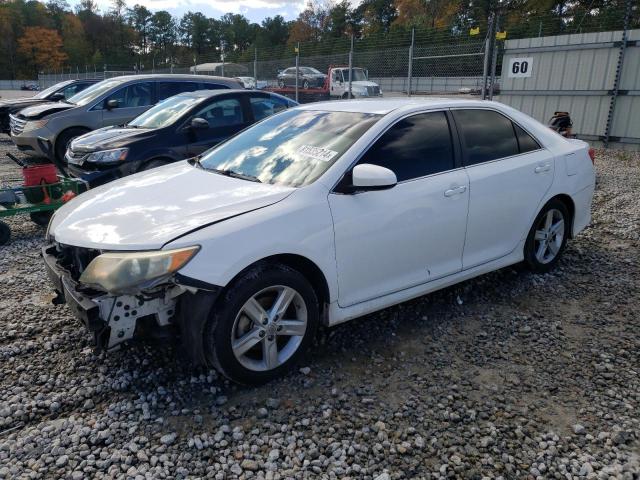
[48, 91]
[357, 75]
[94, 91]
[166, 112]
[291, 148]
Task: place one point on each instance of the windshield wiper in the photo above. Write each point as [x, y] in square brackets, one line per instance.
[230, 173]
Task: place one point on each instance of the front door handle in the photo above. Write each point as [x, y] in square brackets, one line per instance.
[542, 168]
[455, 191]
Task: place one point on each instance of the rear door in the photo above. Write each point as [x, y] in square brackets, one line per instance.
[133, 100]
[509, 174]
[227, 115]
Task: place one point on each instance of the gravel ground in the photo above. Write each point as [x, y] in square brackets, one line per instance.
[512, 375]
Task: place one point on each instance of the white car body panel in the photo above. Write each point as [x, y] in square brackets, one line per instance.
[374, 249]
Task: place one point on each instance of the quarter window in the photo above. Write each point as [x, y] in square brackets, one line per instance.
[223, 113]
[526, 142]
[263, 107]
[414, 147]
[486, 135]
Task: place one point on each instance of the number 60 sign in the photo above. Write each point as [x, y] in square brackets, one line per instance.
[520, 67]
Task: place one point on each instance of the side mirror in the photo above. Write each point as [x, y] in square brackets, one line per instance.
[373, 177]
[198, 123]
[111, 104]
[56, 97]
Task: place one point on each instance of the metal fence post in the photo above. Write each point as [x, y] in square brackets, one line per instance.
[350, 67]
[494, 57]
[410, 70]
[487, 55]
[297, 67]
[618, 77]
[255, 65]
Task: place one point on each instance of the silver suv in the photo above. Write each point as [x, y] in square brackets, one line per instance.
[46, 130]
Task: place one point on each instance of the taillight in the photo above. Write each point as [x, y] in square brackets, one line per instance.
[592, 155]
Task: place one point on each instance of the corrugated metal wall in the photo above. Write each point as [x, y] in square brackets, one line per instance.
[576, 73]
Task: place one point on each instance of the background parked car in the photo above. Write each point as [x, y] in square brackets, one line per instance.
[179, 127]
[46, 130]
[248, 82]
[59, 91]
[308, 77]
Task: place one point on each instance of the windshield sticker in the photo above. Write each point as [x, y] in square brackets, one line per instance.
[317, 153]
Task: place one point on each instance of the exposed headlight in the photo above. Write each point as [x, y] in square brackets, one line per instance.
[34, 125]
[108, 156]
[120, 272]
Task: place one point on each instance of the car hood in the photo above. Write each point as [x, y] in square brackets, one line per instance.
[146, 210]
[39, 111]
[17, 103]
[109, 137]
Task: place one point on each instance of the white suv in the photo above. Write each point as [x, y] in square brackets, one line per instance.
[318, 214]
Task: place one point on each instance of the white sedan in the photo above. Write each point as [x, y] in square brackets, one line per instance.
[319, 214]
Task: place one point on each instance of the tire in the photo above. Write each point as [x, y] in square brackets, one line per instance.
[64, 139]
[345, 96]
[41, 218]
[154, 164]
[5, 233]
[305, 84]
[281, 83]
[547, 238]
[263, 286]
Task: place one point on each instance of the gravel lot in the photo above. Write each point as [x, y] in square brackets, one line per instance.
[512, 375]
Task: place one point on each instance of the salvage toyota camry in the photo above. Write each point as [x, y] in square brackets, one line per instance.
[316, 215]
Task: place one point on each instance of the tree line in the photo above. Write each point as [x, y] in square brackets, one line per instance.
[41, 37]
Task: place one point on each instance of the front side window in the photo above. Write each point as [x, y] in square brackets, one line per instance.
[71, 90]
[414, 147]
[486, 135]
[169, 89]
[222, 113]
[263, 107]
[291, 148]
[166, 112]
[134, 95]
[93, 92]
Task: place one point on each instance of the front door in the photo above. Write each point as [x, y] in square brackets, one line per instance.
[509, 175]
[226, 117]
[133, 100]
[390, 240]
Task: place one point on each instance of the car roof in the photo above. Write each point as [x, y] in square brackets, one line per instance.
[174, 76]
[213, 93]
[387, 105]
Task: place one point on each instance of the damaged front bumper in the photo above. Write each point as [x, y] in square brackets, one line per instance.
[112, 319]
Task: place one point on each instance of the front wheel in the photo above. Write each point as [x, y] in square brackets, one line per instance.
[65, 139]
[262, 325]
[305, 85]
[548, 237]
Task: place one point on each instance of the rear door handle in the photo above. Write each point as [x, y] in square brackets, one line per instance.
[542, 168]
[455, 191]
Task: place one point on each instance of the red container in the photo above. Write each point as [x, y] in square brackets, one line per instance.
[39, 174]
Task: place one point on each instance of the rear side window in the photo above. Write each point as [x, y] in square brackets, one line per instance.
[526, 142]
[486, 135]
[263, 107]
[169, 89]
[414, 147]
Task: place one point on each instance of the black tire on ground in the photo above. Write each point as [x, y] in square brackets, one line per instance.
[345, 96]
[539, 256]
[155, 164]
[219, 329]
[41, 218]
[5, 233]
[64, 139]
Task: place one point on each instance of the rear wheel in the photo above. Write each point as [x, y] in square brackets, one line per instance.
[548, 237]
[5, 233]
[262, 325]
[281, 83]
[305, 85]
[64, 139]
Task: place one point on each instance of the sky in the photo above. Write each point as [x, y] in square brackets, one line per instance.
[254, 10]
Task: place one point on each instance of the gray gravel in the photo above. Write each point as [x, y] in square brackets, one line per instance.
[511, 375]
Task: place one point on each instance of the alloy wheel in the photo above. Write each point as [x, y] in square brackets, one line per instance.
[269, 328]
[549, 236]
